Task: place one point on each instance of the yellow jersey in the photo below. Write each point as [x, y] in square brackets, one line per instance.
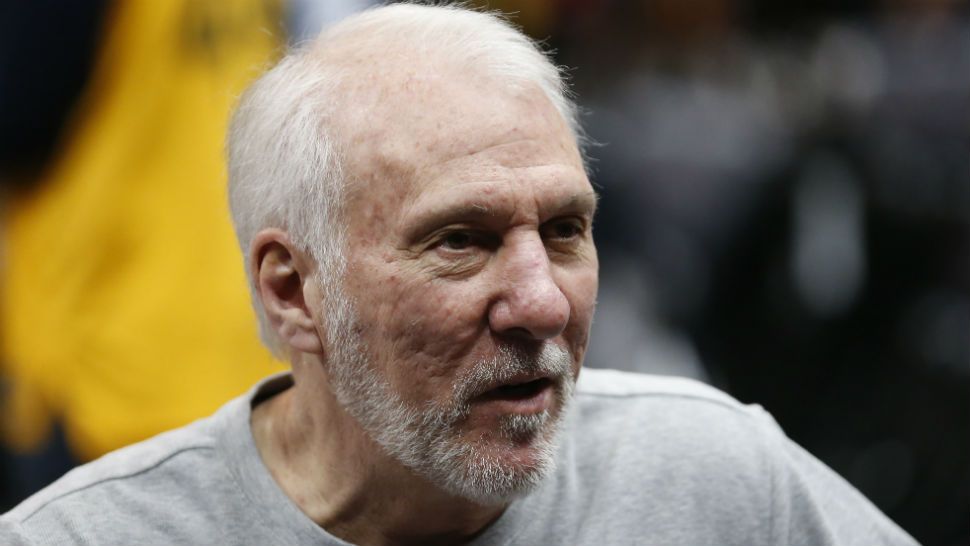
[124, 309]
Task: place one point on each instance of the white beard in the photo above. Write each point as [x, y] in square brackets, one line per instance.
[428, 440]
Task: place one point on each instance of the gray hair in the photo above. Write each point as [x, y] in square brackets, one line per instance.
[284, 160]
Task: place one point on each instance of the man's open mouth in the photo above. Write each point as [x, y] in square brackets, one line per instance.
[519, 391]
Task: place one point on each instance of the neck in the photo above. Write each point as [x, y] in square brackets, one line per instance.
[345, 482]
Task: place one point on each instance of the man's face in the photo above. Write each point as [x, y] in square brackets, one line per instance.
[471, 281]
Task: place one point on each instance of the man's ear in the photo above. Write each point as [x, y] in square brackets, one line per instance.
[280, 272]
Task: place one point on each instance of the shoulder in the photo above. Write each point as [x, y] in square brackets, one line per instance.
[683, 456]
[136, 463]
[669, 432]
[675, 420]
[662, 401]
[663, 442]
[132, 485]
[679, 455]
[597, 382]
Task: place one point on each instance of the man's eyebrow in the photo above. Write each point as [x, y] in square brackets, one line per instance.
[427, 219]
[471, 211]
[586, 200]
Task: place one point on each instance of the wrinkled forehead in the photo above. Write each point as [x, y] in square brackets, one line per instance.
[401, 119]
[442, 118]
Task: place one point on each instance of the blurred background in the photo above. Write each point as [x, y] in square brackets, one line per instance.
[785, 214]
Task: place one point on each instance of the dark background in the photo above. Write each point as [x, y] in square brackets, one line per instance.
[785, 213]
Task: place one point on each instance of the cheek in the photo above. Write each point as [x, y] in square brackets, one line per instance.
[420, 331]
[428, 320]
[580, 288]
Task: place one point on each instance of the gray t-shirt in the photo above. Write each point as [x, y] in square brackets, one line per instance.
[644, 460]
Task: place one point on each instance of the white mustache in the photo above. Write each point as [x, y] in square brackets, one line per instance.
[510, 362]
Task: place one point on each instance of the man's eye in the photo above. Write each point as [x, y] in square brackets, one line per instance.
[456, 240]
[564, 230]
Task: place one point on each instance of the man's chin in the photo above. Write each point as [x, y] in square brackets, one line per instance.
[497, 479]
[495, 457]
[495, 469]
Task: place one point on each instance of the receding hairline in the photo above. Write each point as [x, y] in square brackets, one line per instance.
[386, 46]
[362, 54]
[375, 58]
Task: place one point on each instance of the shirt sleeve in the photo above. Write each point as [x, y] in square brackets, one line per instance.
[814, 506]
[11, 534]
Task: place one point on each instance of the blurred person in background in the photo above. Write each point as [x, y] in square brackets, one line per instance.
[786, 206]
[123, 311]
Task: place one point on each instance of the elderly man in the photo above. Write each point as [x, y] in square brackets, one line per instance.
[412, 203]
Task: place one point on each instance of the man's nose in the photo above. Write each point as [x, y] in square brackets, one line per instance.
[530, 302]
